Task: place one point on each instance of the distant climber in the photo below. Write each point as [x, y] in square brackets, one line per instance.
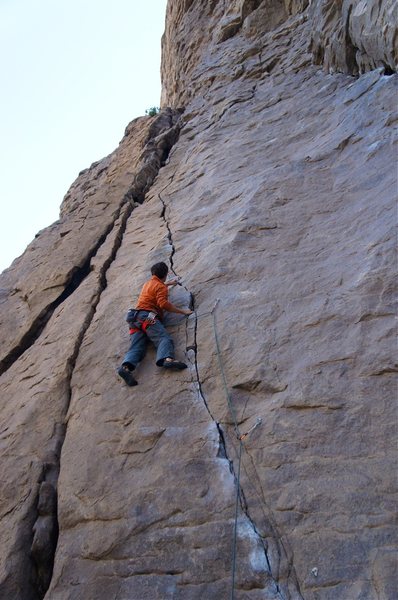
[147, 325]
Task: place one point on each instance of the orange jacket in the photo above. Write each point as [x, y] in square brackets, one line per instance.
[154, 297]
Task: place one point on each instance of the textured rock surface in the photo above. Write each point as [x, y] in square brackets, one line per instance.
[56, 284]
[354, 36]
[278, 199]
[59, 258]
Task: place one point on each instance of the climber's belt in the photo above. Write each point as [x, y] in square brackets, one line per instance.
[144, 318]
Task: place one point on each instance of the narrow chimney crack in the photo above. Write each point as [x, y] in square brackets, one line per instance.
[46, 529]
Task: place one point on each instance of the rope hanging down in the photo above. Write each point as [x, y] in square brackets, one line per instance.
[224, 379]
[241, 437]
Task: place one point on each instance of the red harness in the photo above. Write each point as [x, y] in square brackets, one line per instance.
[144, 326]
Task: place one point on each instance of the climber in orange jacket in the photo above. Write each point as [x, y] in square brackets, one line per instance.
[152, 301]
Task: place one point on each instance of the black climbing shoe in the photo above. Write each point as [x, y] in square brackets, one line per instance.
[174, 364]
[127, 375]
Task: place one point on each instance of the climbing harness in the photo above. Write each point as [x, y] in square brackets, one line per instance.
[137, 324]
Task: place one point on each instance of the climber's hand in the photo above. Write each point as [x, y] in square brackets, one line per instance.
[172, 282]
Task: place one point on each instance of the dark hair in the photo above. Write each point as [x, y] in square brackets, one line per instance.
[160, 270]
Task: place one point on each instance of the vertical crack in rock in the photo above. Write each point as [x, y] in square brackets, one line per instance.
[282, 550]
[76, 277]
[169, 234]
[46, 528]
[351, 49]
[157, 147]
[222, 446]
[223, 453]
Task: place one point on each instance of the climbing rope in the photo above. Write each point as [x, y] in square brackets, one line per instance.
[224, 379]
[240, 437]
[235, 534]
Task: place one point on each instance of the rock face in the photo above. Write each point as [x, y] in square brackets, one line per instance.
[354, 36]
[269, 188]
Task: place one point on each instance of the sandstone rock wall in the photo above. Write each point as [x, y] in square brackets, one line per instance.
[273, 197]
[58, 259]
[354, 36]
[49, 296]
[349, 36]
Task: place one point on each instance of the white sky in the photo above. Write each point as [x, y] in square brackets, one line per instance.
[73, 74]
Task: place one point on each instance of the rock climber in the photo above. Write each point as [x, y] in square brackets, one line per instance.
[152, 301]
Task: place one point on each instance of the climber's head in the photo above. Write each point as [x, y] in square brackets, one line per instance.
[160, 270]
